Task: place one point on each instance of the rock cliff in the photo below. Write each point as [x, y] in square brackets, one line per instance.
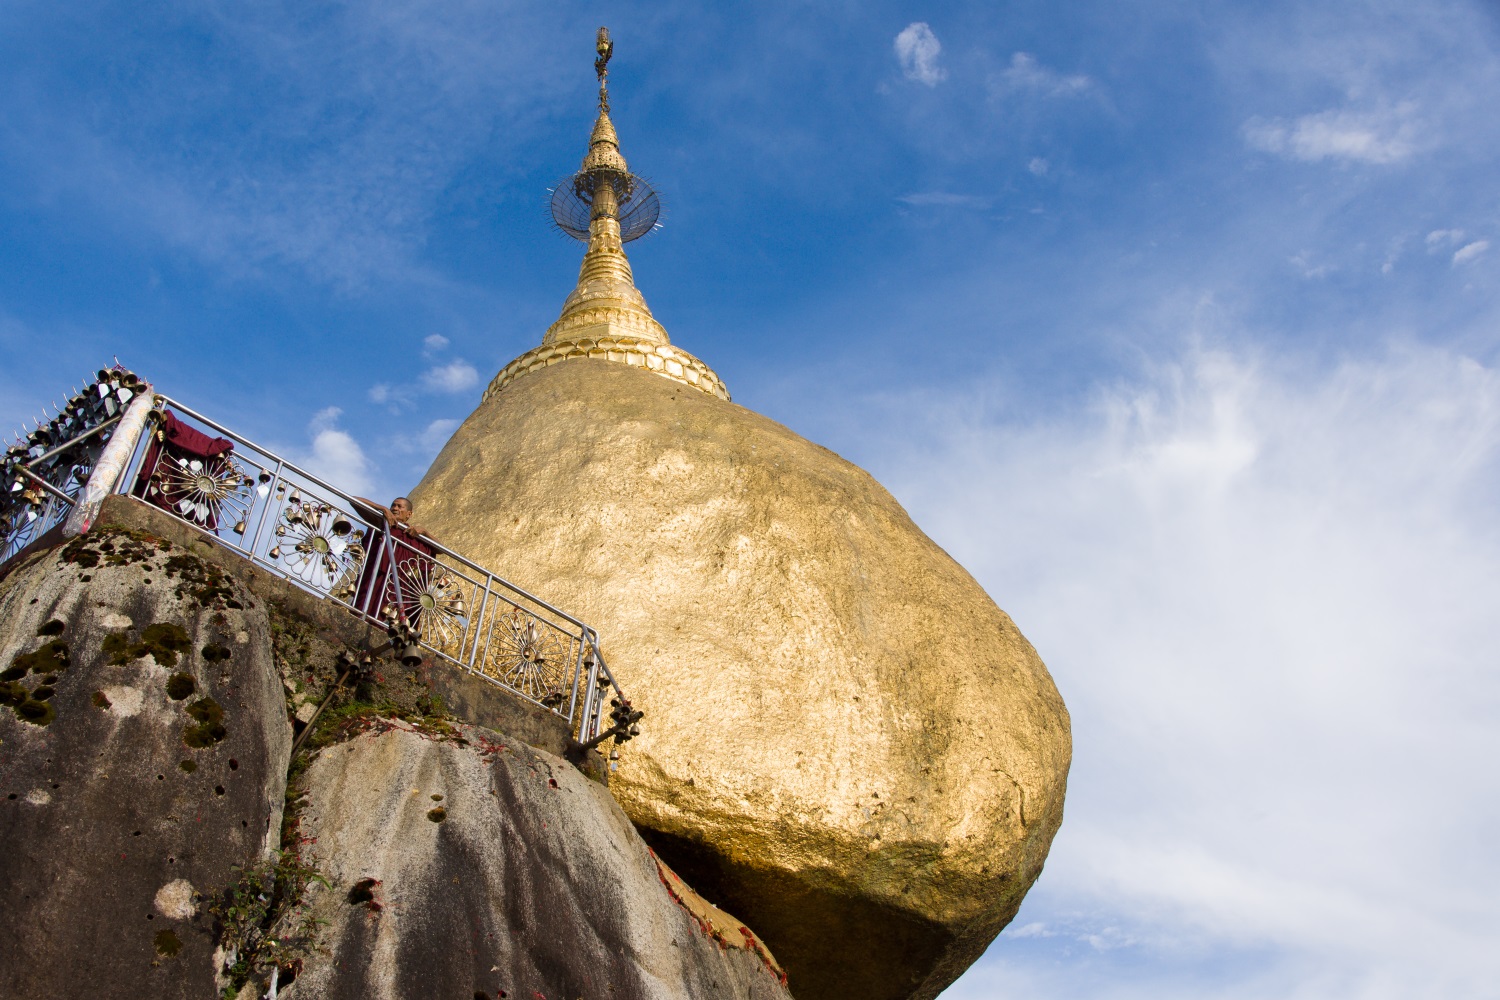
[462, 864]
[156, 763]
[155, 845]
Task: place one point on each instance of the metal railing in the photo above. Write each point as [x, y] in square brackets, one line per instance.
[294, 525]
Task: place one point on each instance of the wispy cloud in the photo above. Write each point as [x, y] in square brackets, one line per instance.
[429, 441]
[270, 143]
[1367, 137]
[334, 455]
[1267, 596]
[917, 50]
[1025, 73]
[1469, 251]
[943, 199]
[456, 376]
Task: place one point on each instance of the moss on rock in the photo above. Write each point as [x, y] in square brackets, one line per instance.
[210, 724]
[163, 642]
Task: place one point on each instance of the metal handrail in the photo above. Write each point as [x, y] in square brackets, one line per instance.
[419, 589]
[328, 543]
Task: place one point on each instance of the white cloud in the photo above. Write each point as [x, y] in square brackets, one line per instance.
[1443, 237]
[437, 434]
[1025, 73]
[334, 455]
[433, 343]
[1373, 137]
[917, 50]
[457, 376]
[1038, 166]
[1268, 597]
[1470, 251]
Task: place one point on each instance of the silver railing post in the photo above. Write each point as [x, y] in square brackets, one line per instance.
[489, 581]
[117, 454]
[265, 510]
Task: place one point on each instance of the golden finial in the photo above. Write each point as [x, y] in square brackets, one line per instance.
[605, 46]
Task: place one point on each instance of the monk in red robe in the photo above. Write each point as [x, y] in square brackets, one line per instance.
[411, 552]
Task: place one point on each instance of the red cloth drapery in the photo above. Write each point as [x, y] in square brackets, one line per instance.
[176, 442]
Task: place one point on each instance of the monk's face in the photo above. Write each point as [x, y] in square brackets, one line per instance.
[401, 510]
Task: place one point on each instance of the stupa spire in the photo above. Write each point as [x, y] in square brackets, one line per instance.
[606, 300]
[606, 316]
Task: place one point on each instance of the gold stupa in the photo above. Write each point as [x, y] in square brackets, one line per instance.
[846, 743]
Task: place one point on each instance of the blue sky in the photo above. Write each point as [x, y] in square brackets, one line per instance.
[1175, 322]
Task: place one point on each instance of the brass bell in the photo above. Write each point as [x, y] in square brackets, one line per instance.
[341, 526]
[275, 552]
[411, 655]
[239, 527]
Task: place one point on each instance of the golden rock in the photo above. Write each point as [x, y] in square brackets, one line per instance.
[846, 743]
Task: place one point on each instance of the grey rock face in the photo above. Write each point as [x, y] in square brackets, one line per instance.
[143, 754]
[144, 749]
[464, 865]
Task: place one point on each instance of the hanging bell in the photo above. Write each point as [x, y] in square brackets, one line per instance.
[411, 655]
[341, 526]
[239, 527]
[275, 552]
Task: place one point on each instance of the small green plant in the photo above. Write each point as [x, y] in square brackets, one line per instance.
[261, 919]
